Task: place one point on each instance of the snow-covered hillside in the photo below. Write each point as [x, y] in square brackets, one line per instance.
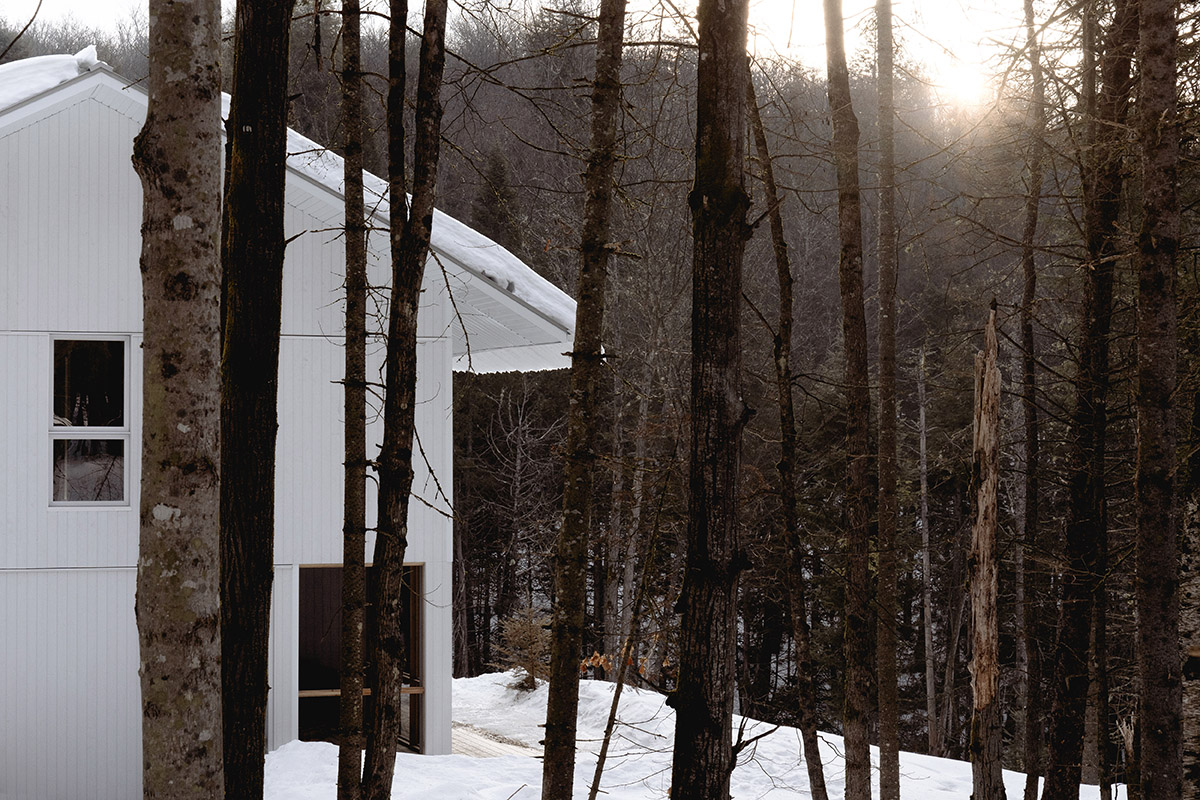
[639, 762]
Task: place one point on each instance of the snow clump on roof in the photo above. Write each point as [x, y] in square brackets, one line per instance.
[20, 80]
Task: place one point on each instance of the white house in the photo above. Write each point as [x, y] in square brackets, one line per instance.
[70, 333]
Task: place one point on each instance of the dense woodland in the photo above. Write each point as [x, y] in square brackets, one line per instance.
[1057, 144]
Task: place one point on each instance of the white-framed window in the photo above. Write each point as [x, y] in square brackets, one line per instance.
[89, 420]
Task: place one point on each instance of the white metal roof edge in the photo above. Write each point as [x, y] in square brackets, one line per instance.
[528, 358]
[47, 101]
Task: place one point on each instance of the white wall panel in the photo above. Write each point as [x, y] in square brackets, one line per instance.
[309, 454]
[283, 668]
[439, 664]
[70, 714]
[83, 185]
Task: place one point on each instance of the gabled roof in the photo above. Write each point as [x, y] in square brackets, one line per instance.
[508, 316]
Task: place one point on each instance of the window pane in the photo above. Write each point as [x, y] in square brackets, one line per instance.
[89, 383]
[89, 470]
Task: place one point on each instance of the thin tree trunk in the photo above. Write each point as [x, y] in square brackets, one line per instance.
[987, 781]
[946, 719]
[614, 539]
[1086, 528]
[857, 710]
[788, 460]
[558, 766]
[1157, 579]
[703, 700]
[1099, 678]
[1189, 615]
[885, 629]
[177, 155]
[354, 519]
[410, 247]
[1028, 665]
[931, 715]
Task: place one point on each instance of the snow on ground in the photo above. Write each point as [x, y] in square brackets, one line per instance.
[639, 761]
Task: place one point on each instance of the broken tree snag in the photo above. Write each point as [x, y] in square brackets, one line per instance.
[985, 475]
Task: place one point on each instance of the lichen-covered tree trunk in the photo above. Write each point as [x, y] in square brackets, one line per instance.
[885, 595]
[354, 585]
[1028, 663]
[703, 700]
[857, 642]
[177, 155]
[1157, 571]
[788, 462]
[252, 247]
[987, 782]
[410, 234]
[587, 373]
[1086, 527]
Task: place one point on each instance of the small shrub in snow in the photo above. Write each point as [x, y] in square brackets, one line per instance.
[525, 647]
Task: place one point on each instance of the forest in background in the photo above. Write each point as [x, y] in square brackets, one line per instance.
[515, 138]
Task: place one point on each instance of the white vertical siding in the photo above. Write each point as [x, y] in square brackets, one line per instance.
[72, 221]
[309, 454]
[283, 669]
[70, 714]
[439, 666]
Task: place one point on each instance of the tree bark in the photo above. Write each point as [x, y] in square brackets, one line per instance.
[987, 781]
[857, 643]
[177, 155]
[931, 715]
[1157, 579]
[703, 700]
[1086, 528]
[885, 629]
[788, 461]
[354, 501]
[252, 248]
[587, 373]
[1028, 664]
[1189, 615]
[409, 249]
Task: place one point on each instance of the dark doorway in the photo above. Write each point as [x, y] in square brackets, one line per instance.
[321, 654]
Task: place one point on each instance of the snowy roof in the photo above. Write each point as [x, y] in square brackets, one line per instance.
[467, 248]
[21, 80]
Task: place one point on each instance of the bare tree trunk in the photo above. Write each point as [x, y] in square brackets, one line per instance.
[987, 781]
[1086, 528]
[931, 715]
[615, 538]
[946, 718]
[410, 247]
[789, 446]
[885, 629]
[1157, 579]
[1189, 615]
[703, 700]
[252, 259]
[857, 644]
[1028, 665]
[1099, 679]
[354, 511]
[177, 155]
[570, 570]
